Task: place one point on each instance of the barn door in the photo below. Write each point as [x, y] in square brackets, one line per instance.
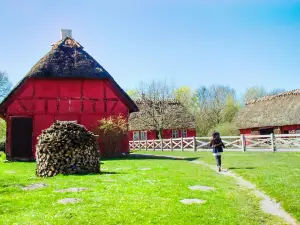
[266, 131]
[21, 137]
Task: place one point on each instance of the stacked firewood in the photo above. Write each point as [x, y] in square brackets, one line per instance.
[67, 148]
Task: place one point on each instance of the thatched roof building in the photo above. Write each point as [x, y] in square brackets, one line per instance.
[168, 114]
[271, 111]
[66, 60]
[67, 84]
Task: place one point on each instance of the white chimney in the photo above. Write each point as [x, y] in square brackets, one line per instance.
[65, 33]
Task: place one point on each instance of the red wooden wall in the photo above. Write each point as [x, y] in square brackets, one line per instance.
[86, 101]
[289, 128]
[167, 134]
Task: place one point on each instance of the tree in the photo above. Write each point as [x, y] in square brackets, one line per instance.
[254, 93]
[226, 129]
[211, 103]
[276, 91]
[5, 85]
[112, 131]
[186, 96]
[2, 130]
[159, 109]
[133, 94]
[231, 109]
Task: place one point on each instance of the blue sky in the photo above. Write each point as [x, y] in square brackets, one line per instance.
[230, 42]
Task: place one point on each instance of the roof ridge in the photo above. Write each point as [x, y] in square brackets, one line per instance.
[271, 97]
[62, 42]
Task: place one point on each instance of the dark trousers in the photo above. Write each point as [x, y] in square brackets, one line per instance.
[218, 159]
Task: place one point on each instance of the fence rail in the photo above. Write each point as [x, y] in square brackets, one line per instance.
[278, 142]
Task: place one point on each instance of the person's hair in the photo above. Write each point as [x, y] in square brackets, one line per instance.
[216, 138]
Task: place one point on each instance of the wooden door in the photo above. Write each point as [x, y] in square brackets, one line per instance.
[21, 137]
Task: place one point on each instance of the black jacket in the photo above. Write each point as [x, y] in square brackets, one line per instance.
[217, 147]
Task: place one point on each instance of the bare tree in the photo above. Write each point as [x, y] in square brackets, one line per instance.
[159, 109]
[5, 85]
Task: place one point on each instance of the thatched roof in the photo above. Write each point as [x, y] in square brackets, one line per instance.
[150, 117]
[67, 59]
[274, 110]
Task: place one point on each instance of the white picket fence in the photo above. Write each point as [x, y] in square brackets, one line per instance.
[278, 142]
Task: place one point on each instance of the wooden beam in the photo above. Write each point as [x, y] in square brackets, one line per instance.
[114, 106]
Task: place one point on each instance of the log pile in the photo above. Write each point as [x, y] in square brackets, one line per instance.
[67, 148]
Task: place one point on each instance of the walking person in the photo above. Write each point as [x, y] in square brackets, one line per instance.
[217, 145]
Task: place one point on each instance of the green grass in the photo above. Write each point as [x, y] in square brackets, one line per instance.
[124, 194]
[278, 175]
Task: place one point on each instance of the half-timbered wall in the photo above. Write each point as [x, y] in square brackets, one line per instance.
[86, 101]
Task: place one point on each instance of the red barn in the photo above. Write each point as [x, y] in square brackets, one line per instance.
[168, 117]
[277, 114]
[66, 84]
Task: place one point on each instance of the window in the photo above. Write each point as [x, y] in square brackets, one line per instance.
[184, 133]
[143, 135]
[297, 131]
[174, 133]
[136, 135]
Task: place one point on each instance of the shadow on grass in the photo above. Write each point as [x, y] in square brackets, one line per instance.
[92, 174]
[145, 157]
[241, 168]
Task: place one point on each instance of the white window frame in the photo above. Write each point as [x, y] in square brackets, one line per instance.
[175, 134]
[136, 136]
[184, 133]
[143, 135]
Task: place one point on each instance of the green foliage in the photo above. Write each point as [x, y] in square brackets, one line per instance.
[215, 104]
[133, 94]
[254, 93]
[231, 109]
[2, 129]
[2, 156]
[225, 129]
[2, 146]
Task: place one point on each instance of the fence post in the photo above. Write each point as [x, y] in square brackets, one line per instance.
[146, 145]
[171, 144]
[273, 144]
[182, 144]
[243, 143]
[139, 145]
[153, 141]
[194, 144]
[162, 144]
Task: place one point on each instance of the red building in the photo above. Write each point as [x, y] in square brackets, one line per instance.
[278, 114]
[170, 116]
[66, 84]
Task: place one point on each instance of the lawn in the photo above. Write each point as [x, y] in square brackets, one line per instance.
[278, 175]
[128, 191]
